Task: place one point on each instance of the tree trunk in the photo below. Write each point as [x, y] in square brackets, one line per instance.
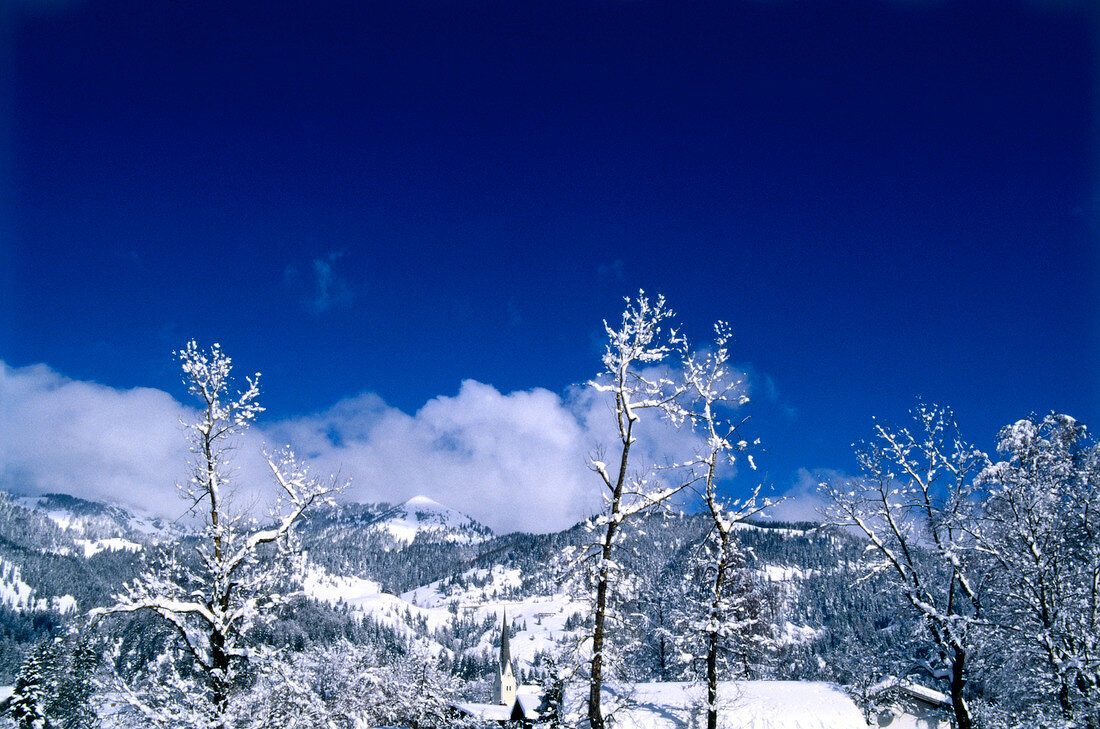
[599, 632]
[595, 684]
[712, 680]
[712, 637]
[1088, 690]
[958, 703]
[663, 657]
[219, 689]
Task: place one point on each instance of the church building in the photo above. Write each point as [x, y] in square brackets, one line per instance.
[511, 702]
[504, 689]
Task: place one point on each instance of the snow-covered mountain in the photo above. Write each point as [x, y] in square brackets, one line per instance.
[416, 573]
[103, 526]
[428, 520]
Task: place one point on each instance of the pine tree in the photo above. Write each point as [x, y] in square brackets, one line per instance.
[33, 687]
[73, 704]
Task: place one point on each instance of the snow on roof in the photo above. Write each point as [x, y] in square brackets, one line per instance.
[932, 696]
[528, 706]
[528, 700]
[486, 712]
[529, 703]
[742, 704]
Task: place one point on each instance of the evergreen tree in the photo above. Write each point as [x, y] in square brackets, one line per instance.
[73, 703]
[34, 687]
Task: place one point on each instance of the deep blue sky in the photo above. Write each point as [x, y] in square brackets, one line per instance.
[885, 199]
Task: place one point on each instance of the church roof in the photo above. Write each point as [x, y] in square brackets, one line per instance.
[528, 703]
[526, 706]
[486, 712]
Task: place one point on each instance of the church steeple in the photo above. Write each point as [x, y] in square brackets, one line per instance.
[504, 690]
[505, 651]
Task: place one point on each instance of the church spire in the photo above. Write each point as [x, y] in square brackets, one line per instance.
[505, 651]
[504, 689]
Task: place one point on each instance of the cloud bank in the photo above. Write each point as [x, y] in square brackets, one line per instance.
[514, 461]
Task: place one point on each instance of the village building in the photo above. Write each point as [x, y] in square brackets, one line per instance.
[902, 704]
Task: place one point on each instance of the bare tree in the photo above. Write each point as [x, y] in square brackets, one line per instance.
[240, 564]
[634, 351]
[731, 616]
[915, 504]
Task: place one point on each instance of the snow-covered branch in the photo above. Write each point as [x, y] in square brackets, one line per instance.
[243, 565]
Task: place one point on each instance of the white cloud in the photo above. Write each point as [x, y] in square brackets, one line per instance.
[802, 502]
[512, 461]
[76, 437]
[515, 461]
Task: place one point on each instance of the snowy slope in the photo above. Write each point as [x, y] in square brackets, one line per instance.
[366, 598]
[478, 595]
[17, 595]
[537, 607]
[539, 619]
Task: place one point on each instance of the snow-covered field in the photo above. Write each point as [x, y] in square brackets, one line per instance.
[113, 544]
[783, 573]
[742, 705]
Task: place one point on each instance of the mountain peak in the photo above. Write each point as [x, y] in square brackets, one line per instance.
[424, 502]
[422, 515]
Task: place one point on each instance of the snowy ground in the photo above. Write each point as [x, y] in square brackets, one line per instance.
[742, 705]
[114, 544]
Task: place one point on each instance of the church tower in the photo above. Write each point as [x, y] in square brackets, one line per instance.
[504, 690]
